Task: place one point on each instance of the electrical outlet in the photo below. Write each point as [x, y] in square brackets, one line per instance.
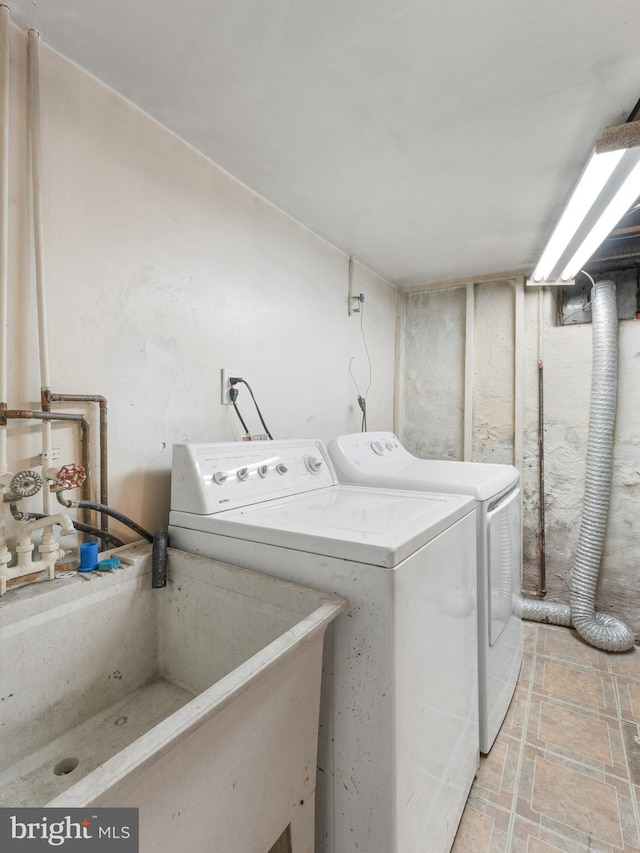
[226, 374]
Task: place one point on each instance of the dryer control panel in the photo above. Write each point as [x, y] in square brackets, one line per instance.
[209, 478]
[359, 446]
[357, 455]
[379, 459]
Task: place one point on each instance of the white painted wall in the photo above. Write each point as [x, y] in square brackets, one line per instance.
[431, 417]
[161, 269]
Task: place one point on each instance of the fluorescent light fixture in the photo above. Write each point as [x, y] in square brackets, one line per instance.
[608, 186]
[595, 176]
[613, 213]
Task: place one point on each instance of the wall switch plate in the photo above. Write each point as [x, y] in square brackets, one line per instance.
[226, 374]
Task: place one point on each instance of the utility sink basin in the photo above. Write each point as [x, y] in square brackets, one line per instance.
[197, 703]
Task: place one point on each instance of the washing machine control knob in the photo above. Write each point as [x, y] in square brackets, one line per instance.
[281, 468]
[263, 470]
[220, 477]
[313, 464]
[377, 448]
[242, 474]
[388, 445]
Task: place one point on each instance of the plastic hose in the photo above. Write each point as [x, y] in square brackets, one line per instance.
[107, 510]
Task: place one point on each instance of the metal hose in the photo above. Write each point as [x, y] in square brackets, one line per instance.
[602, 631]
[546, 611]
[599, 629]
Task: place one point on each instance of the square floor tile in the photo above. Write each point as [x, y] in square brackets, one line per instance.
[587, 808]
[564, 772]
[566, 644]
[575, 683]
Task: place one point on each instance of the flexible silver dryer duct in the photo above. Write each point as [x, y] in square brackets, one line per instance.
[599, 629]
[546, 611]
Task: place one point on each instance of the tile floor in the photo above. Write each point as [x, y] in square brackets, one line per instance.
[564, 772]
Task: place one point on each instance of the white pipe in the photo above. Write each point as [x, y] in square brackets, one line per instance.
[50, 552]
[33, 42]
[60, 518]
[5, 47]
[540, 323]
[5, 82]
[468, 373]
[518, 376]
[399, 383]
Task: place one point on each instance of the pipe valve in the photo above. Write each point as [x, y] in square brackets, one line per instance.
[70, 476]
[25, 484]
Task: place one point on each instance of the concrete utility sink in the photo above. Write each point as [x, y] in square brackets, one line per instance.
[197, 703]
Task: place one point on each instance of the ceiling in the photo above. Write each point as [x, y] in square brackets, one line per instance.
[430, 139]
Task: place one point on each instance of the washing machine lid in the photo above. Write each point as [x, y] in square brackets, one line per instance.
[380, 527]
[379, 459]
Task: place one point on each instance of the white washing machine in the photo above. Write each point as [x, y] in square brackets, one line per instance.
[379, 459]
[398, 745]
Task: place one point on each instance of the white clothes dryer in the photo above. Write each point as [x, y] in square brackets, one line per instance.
[379, 459]
[398, 743]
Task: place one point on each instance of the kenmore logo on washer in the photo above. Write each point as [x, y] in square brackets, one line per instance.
[104, 830]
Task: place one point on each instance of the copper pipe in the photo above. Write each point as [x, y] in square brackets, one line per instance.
[48, 397]
[85, 439]
[541, 589]
[534, 593]
[543, 566]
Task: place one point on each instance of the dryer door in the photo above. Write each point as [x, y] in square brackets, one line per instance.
[504, 547]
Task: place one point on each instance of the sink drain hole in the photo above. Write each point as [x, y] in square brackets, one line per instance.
[67, 765]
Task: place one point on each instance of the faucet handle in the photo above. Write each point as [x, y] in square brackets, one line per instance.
[71, 476]
[25, 484]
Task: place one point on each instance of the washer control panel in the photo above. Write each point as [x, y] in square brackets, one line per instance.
[209, 478]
